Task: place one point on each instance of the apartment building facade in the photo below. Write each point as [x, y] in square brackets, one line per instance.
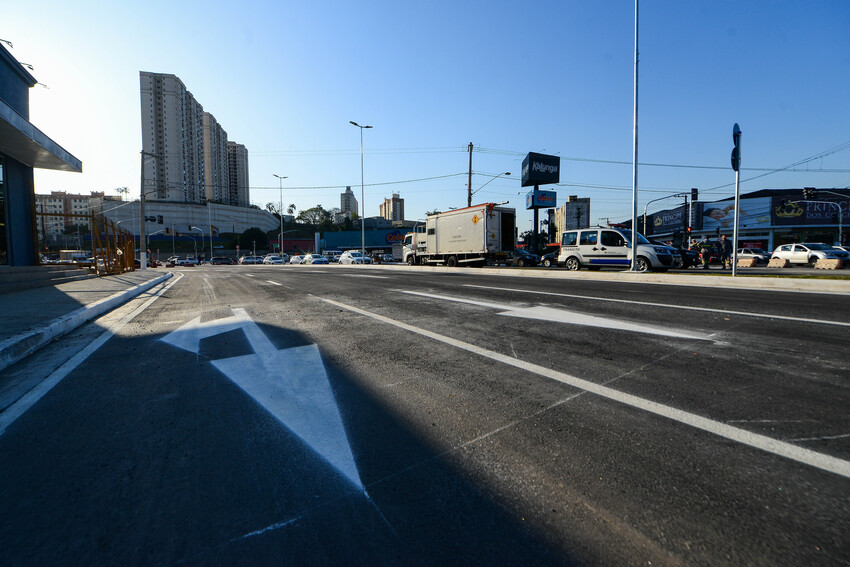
[392, 209]
[188, 158]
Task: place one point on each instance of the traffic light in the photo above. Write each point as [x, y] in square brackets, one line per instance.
[809, 193]
[159, 219]
[167, 230]
[694, 194]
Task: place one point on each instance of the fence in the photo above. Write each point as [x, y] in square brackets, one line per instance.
[112, 248]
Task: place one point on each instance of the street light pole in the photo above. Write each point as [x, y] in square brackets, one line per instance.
[143, 252]
[362, 198]
[280, 241]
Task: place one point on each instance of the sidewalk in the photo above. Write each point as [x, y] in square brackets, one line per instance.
[34, 317]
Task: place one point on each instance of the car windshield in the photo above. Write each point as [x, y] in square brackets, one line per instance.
[817, 246]
[628, 234]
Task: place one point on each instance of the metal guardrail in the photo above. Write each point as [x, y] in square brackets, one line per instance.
[112, 248]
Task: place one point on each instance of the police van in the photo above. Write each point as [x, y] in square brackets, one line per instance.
[598, 247]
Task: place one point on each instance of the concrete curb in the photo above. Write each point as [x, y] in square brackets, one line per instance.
[15, 348]
[724, 280]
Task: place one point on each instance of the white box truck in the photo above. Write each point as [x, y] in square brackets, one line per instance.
[464, 237]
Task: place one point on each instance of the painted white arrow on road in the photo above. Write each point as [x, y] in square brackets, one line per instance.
[291, 384]
[552, 314]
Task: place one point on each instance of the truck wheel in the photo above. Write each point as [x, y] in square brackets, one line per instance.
[451, 262]
[643, 264]
[411, 260]
[572, 263]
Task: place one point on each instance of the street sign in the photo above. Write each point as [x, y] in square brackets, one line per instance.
[736, 150]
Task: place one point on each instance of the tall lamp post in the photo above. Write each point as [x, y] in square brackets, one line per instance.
[143, 252]
[362, 198]
[280, 241]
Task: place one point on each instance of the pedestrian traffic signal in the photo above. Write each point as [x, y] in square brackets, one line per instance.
[159, 219]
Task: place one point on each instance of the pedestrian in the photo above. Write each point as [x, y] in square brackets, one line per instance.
[705, 248]
[725, 252]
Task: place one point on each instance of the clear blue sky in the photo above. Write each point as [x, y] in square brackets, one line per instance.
[285, 78]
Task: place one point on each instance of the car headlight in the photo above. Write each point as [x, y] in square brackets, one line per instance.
[660, 250]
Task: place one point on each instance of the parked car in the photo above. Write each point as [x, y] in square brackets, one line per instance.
[689, 257]
[315, 259]
[250, 260]
[297, 259]
[187, 261]
[677, 255]
[272, 260]
[550, 259]
[760, 255]
[522, 258]
[353, 257]
[808, 253]
[611, 247]
[220, 261]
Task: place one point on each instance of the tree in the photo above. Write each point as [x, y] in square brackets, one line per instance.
[253, 236]
[291, 209]
[314, 215]
[273, 209]
[434, 212]
[122, 191]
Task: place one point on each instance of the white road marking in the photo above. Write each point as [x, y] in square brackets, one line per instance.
[29, 399]
[667, 305]
[755, 440]
[273, 283]
[542, 313]
[291, 384]
[367, 276]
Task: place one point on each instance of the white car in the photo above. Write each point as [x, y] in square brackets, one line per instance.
[809, 253]
[315, 259]
[296, 259]
[188, 261]
[757, 253]
[353, 257]
[250, 260]
[272, 260]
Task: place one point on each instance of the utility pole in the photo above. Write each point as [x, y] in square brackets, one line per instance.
[469, 183]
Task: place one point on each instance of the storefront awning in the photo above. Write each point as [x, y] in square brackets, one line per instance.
[22, 141]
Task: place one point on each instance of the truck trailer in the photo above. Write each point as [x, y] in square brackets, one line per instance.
[472, 236]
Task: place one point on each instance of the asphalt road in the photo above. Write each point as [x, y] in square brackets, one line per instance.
[328, 415]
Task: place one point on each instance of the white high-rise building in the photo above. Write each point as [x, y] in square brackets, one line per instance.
[173, 131]
[193, 160]
[216, 164]
[238, 192]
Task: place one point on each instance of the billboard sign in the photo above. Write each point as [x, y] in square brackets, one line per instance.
[755, 213]
[537, 199]
[540, 169]
[808, 213]
[668, 221]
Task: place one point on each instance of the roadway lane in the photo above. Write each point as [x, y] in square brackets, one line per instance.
[478, 419]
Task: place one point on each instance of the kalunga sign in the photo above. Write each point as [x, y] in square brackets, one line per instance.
[540, 169]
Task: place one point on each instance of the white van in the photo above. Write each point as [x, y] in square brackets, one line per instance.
[599, 247]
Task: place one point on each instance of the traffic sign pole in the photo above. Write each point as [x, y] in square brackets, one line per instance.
[736, 165]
